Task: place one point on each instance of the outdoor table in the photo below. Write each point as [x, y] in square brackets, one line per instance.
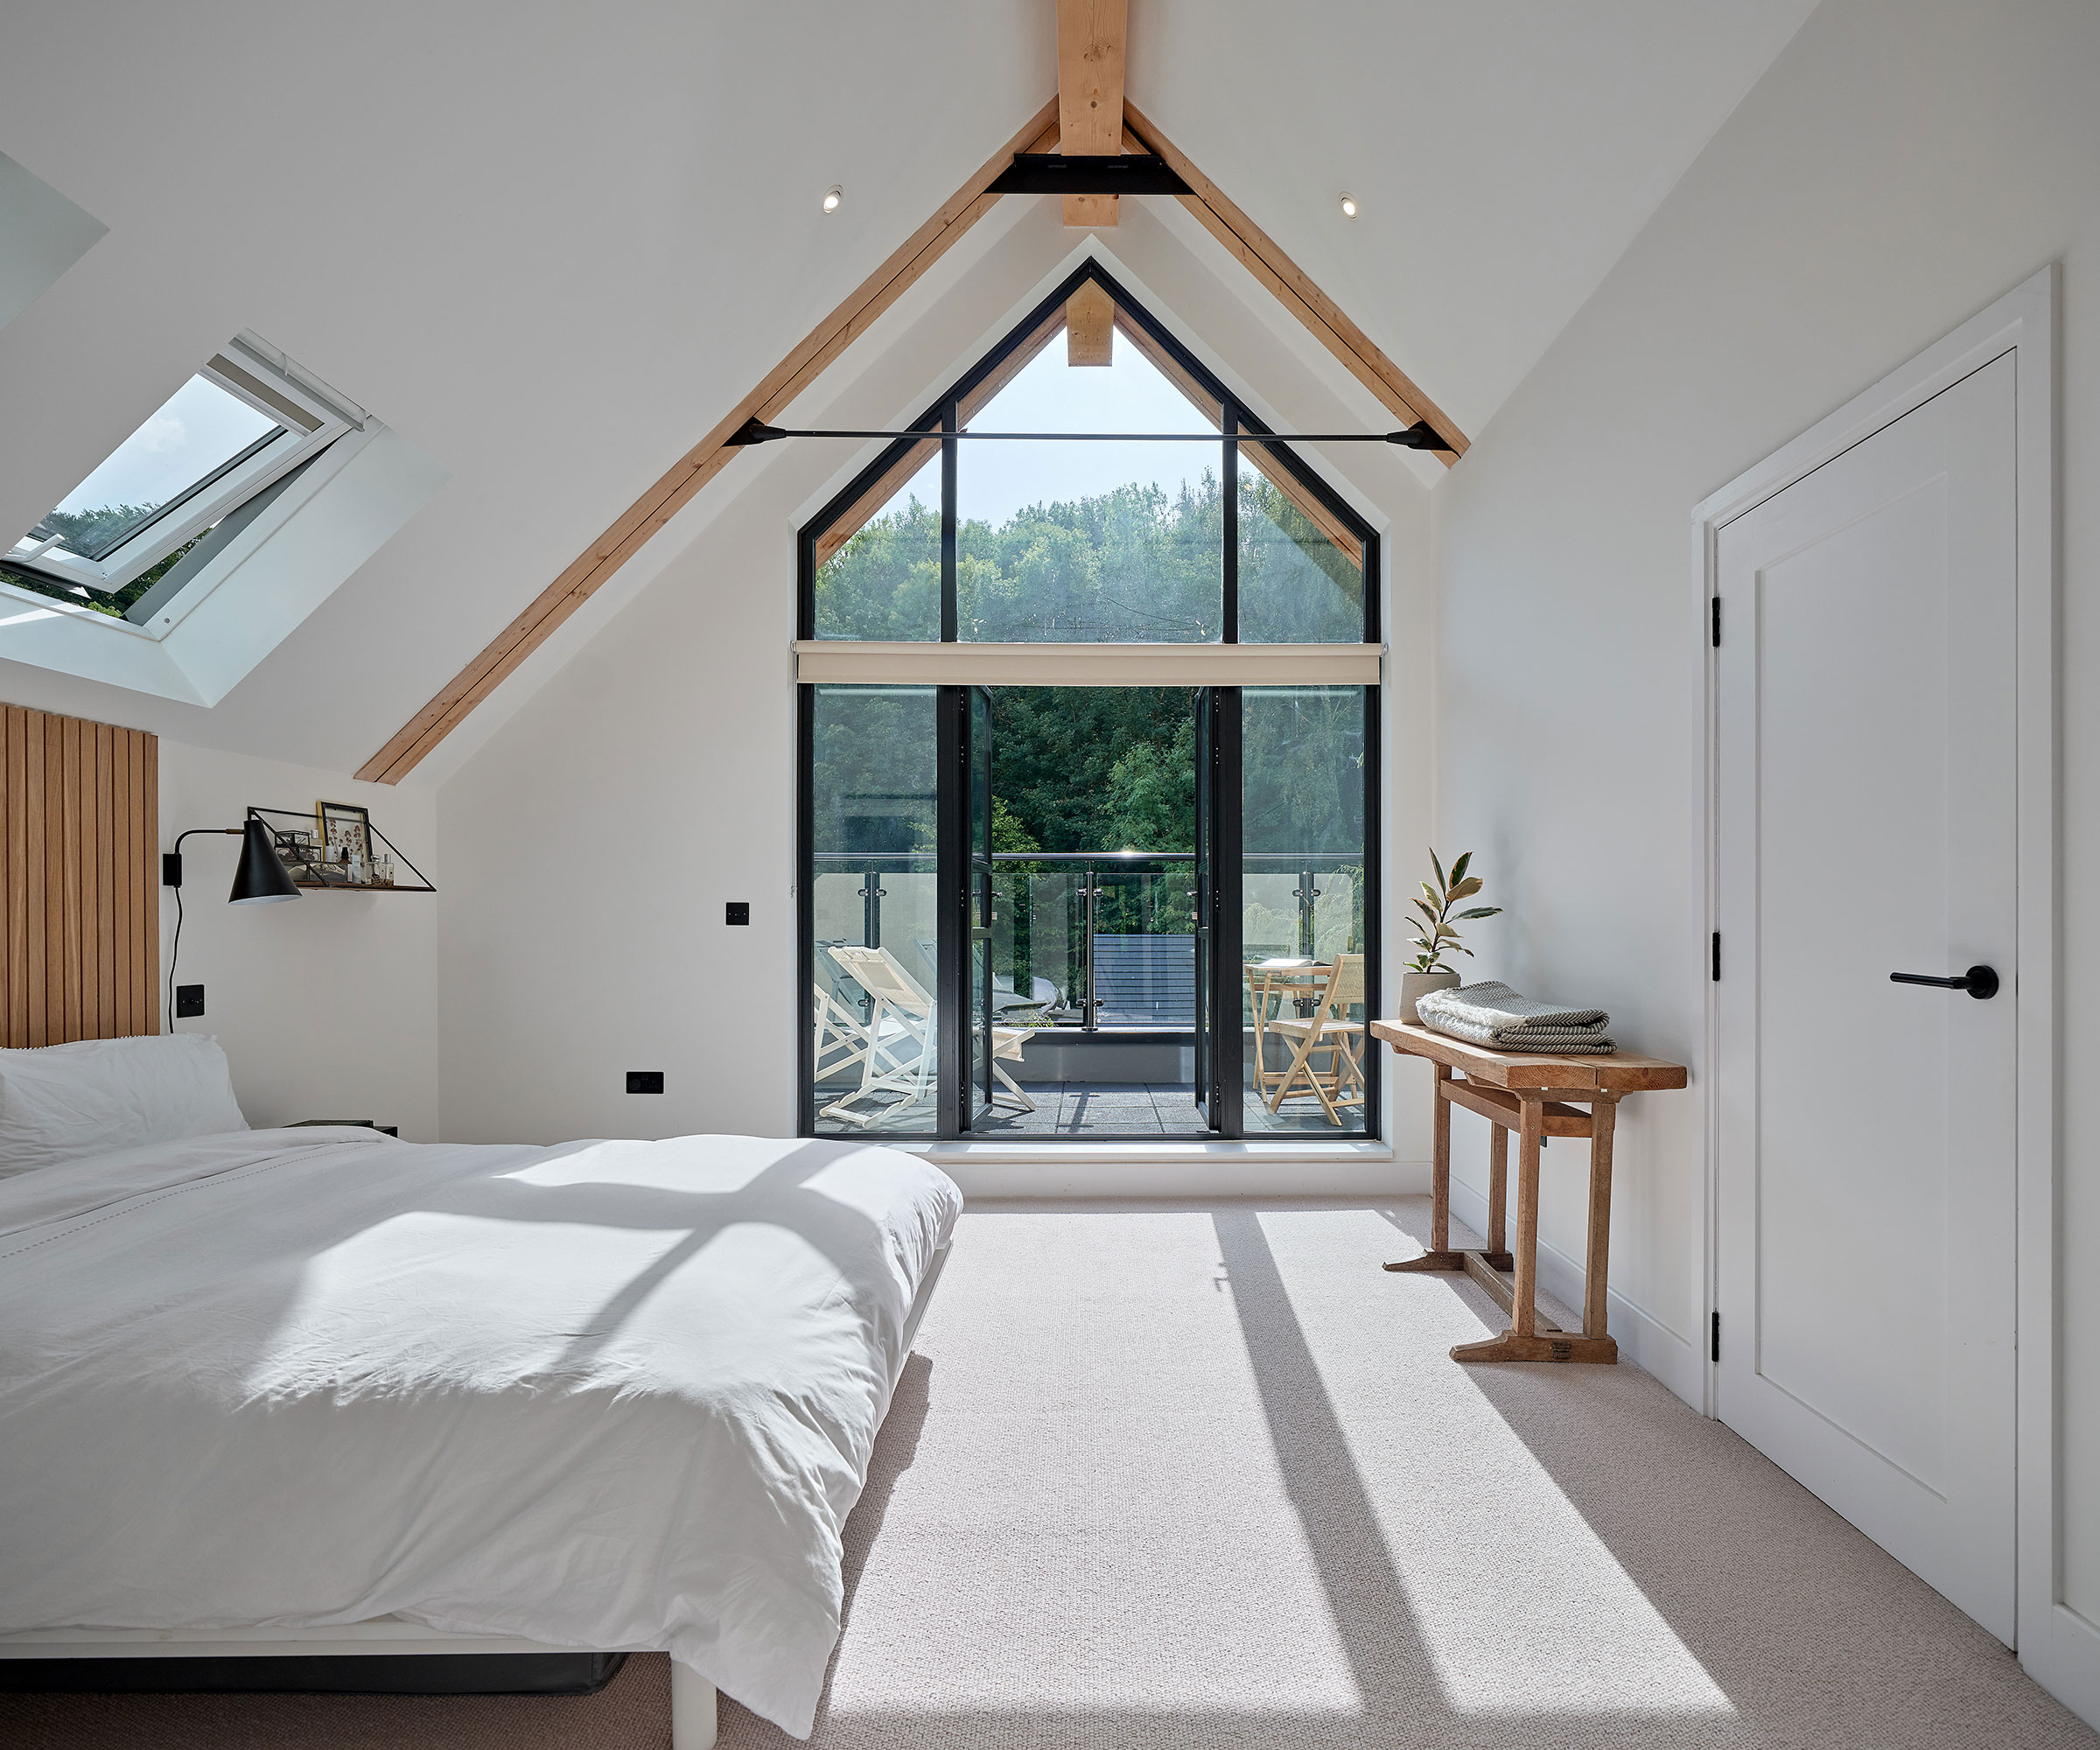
[1537, 1095]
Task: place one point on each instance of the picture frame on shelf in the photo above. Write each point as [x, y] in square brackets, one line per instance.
[346, 843]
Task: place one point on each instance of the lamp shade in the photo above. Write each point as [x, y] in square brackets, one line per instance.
[262, 877]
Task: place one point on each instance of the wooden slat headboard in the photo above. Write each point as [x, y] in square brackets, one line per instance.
[81, 803]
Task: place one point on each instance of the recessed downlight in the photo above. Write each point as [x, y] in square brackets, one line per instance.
[1348, 205]
[833, 196]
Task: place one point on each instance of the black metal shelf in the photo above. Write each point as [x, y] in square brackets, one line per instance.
[313, 877]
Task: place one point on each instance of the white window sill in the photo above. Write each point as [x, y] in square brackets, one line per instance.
[1167, 1148]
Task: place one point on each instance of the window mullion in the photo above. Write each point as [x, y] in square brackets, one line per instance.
[949, 448]
[1229, 488]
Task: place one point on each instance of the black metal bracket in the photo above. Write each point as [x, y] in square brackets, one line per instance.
[1420, 436]
[1054, 173]
[753, 430]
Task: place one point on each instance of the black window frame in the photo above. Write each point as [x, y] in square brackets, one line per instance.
[1237, 422]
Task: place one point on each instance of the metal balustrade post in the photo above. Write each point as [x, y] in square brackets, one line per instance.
[1089, 1010]
[871, 896]
[1305, 893]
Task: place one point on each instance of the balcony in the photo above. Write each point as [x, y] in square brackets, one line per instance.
[1092, 968]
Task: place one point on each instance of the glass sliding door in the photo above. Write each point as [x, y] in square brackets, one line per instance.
[1307, 913]
[871, 911]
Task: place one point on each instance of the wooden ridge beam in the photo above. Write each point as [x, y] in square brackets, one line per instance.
[663, 500]
[1293, 287]
[1091, 35]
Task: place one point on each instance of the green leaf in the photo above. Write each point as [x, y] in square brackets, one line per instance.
[1466, 889]
[1458, 869]
[1445, 932]
[1439, 867]
[1480, 912]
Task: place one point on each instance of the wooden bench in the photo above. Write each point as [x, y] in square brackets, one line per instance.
[1538, 1095]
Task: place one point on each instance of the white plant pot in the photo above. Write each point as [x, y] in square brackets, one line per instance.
[1416, 985]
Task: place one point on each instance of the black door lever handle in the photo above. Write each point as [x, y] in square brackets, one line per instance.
[1980, 982]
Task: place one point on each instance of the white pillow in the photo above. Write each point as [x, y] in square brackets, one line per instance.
[66, 1101]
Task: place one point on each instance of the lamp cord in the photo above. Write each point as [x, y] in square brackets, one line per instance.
[167, 1014]
[174, 954]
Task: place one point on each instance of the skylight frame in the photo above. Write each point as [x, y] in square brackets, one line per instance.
[309, 419]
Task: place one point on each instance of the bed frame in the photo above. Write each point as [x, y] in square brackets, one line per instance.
[692, 1696]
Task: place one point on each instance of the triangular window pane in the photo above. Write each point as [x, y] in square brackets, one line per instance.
[878, 565]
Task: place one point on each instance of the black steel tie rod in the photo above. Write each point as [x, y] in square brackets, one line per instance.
[1420, 436]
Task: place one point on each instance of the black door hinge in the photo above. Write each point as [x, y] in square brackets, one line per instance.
[1716, 622]
[1717, 1336]
[1716, 957]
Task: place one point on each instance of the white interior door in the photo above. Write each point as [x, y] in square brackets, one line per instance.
[1866, 825]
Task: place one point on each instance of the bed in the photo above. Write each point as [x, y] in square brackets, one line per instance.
[318, 1390]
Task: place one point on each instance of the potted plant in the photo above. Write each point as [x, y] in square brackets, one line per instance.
[1434, 935]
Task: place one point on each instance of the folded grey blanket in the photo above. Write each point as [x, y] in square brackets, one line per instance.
[1490, 1013]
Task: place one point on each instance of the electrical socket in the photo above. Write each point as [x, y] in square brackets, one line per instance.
[189, 1000]
[739, 912]
[645, 1082]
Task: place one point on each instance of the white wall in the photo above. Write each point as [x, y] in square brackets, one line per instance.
[651, 777]
[327, 1005]
[1900, 166]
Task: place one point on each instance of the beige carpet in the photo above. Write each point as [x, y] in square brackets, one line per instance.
[1166, 1478]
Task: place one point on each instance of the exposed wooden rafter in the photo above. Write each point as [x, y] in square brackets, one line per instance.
[702, 462]
[1091, 37]
[1248, 243]
[1293, 287]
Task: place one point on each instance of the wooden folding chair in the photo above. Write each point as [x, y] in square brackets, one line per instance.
[1327, 1033]
[1279, 987]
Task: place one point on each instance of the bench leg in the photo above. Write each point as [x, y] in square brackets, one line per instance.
[1603, 1111]
[1523, 1340]
[1498, 1198]
[1440, 1254]
[1524, 1317]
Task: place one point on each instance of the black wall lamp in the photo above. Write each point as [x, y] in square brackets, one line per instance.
[259, 879]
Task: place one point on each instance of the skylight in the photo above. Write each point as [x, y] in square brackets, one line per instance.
[244, 424]
[200, 433]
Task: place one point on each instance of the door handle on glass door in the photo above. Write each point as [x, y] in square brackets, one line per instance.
[1980, 982]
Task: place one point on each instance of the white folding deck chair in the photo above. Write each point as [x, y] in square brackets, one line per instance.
[894, 1046]
[897, 1048]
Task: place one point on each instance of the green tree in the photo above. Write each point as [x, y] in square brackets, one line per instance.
[1151, 803]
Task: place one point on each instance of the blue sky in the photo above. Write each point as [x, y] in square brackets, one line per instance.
[993, 480]
[195, 430]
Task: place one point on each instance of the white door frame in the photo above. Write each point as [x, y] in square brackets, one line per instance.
[2059, 1648]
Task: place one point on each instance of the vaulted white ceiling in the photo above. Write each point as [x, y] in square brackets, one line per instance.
[552, 245]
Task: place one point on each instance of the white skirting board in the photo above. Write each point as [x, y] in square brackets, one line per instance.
[1642, 1340]
[693, 1698]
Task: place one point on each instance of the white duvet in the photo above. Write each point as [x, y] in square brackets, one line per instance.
[607, 1394]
